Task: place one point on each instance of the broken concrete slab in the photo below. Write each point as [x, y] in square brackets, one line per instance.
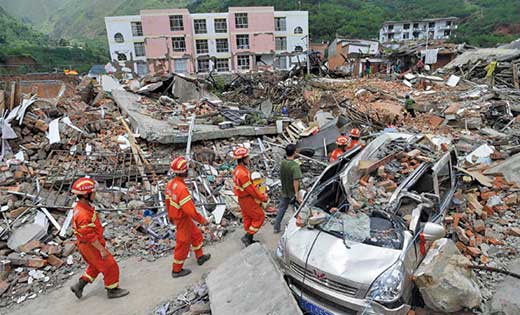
[505, 301]
[186, 89]
[161, 131]
[26, 234]
[510, 169]
[445, 284]
[231, 290]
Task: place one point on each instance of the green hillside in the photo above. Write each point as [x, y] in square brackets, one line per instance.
[484, 22]
[17, 38]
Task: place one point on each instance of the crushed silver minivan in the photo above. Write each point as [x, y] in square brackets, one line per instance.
[367, 223]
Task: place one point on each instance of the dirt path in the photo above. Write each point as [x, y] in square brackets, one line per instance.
[149, 284]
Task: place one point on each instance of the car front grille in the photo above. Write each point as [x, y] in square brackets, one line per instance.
[331, 284]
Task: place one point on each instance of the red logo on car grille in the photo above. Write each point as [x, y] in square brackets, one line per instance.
[319, 275]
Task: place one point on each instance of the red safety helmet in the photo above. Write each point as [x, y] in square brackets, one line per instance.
[84, 186]
[179, 165]
[355, 133]
[240, 153]
[342, 140]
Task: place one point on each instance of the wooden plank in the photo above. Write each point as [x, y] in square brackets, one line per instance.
[515, 76]
[481, 178]
[12, 95]
[2, 101]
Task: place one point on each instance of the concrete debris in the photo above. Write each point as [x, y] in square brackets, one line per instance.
[441, 274]
[230, 294]
[505, 300]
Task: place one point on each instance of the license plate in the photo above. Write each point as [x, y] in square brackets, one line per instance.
[312, 309]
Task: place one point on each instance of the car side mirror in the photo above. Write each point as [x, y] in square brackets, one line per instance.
[433, 231]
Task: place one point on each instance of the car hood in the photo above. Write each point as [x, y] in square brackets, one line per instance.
[360, 263]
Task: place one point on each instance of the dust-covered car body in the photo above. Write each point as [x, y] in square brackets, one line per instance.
[360, 258]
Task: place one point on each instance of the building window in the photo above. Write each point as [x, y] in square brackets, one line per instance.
[241, 20]
[415, 25]
[243, 62]
[220, 26]
[448, 23]
[222, 65]
[298, 30]
[243, 41]
[176, 23]
[280, 62]
[119, 38]
[298, 49]
[200, 26]
[406, 35]
[202, 46]
[203, 65]
[121, 57]
[431, 25]
[142, 68]
[447, 33]
[222, 45]
[139, 49]
[406, 26]
[137, 29]
[280, 24]
[390, 27]
[179, 44]
[180, 65]
[390, 36]
[280, 43]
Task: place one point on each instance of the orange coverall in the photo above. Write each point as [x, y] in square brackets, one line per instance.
[353, 143]
[88, 229]
[335, 155]
[253, 215]
[182, 212]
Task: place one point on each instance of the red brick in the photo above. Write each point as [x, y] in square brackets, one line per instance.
[435, 121]
[494, 241]
[55, 261]
[501, 209]
[460, 246]
[51, 249]
[68, 248]
[4, 285]
[36, 262]
[484, 259]
[479, 226]
[456, 219]
[27, 247]
[489, 210]
[473, 251]
[469, 233]
[487, 194]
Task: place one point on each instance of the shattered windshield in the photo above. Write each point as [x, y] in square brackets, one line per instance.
[374, 229]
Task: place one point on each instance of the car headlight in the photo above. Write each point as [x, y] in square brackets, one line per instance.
[280, 249]
[388, 287]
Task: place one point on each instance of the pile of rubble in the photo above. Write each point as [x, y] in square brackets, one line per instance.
[194, 301]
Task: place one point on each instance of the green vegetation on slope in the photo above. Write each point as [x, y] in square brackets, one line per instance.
[483, 22]
[17, 38]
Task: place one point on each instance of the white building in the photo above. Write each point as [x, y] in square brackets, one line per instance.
[291, 38]
[436, 29]
[126, 41]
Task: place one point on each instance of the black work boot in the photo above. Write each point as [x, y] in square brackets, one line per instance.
[78, 288]
[246, 240]
[182, 273]
[116, 293]
[202, 259]
[252, 239]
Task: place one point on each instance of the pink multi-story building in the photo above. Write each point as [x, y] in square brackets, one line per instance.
[242, 39]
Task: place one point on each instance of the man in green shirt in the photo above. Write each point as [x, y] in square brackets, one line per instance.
[409, 105]
[290, 174]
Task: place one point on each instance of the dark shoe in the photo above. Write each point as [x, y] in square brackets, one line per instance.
[246, 240]
[182, 273]
[78, 288]
[276, 231]
[202, 259]
[116, 293]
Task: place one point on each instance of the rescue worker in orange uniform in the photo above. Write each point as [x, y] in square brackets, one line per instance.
[355, 134]
[248, 196]
[91, 243]
[182, 212]
[341, 142]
